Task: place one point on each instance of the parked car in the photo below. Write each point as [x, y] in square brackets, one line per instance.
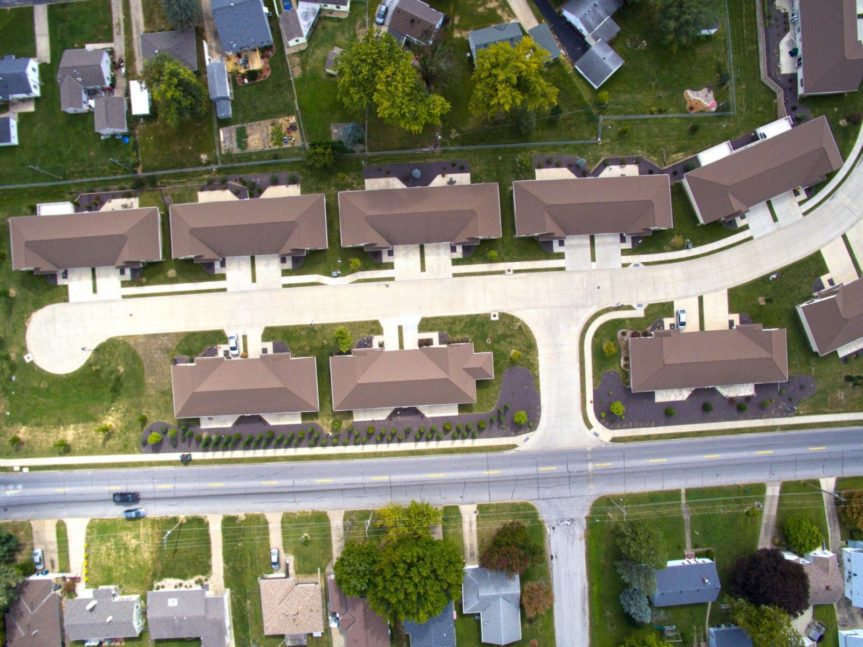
[681, 319]
[381, 15]
[134, 513]
[275, 562]
[38, 559]
[124, 498]
[234, 345]
[185, 459]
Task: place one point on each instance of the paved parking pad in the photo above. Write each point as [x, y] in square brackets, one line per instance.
[406, 262]
[268, 272]
[760, 220]
[576, 251]
[238, 272]
[839, 262]
[438, 260]
[607, 250]
[693, 317]
[716, 310]
[786, 208]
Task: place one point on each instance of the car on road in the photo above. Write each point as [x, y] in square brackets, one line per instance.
[681, 319]
[381, 14]
[38, 559]
[125, 498]
[233, 345]
[134, 513]
[275, 562]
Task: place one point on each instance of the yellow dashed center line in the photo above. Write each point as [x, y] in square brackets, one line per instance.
[324, 481]
[113, 488]
[658, 460]
[711, 456]
[380, 478]
[61, 490]
[548, 468]
[603, 464]
[491, 472]
[164, 486]
[215, 485]
[817, 449]
[269, 483]
[436, 475]
[764, 452]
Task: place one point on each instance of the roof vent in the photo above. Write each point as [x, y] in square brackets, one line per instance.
[109, 618]
[416, 174]
[92, 605]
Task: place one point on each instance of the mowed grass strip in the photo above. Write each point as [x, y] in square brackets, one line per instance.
[306, 537]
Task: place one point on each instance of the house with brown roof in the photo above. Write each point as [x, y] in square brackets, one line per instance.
[795, 158]
[292, 608]
[821, 566]
[277, 387]
[833, 321]
[672, 364]
[554, 209]
[372, 382]
[415, 21]
[830, 54]
[358, 624]
[380, 219]
[289, 227]
[125, 239]
[34, 619]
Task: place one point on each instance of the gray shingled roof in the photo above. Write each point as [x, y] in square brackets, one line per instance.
[13, 77]
[84, 65]
[219, 85]
[686, 582]
[5, 130]
[542, 36]
[593, 17]
[180, 44]
[505, 32]
[188, 614]
[496, 597]
[111, 616]
[728, 637]
[72, 95]
[241, 24]
[435, 632]
[599, 63]
[109, 115]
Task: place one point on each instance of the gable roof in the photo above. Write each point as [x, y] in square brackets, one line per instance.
[728, 636]
[837, 319]
[219, 87]
[671, 359]
[382, 218]
[72, 95]
[361, 626]
[241, 24]
[109, 114]
[542, 36]
[601, 205]
[825, 578]
[372, 378]
[214, 386]
[599, 63]
[794, 158]
[113, 616]
[290, 607]
[122, 238]
[34, 619]
[14, 80]
[415, 19]
[593, 17]
[435, 632]
[686, 581]
[831, 49]
[180, 44]
[479, 39]
[288, 226]
[496, 597]
[84, 65]
[188, 614]
[852, 562]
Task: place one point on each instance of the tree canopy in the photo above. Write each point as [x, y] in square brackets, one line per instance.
[680, 21]
[634, 603]
[511, 549]
[413, 521]
[642, 544]
[8, 545]
[801, 535]
[508, 78]
[355, 568]
[851, 509]
[640, 576]
[645, 638]
[182, 14]
[176, 92]
[767, 626]
[766, 578]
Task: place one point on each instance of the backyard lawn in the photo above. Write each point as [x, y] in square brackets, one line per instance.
[154, 17]
[16, 28]
[306, 537]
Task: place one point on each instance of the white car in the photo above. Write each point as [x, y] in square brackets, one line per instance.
[275, 562]
[38, 559]
[234, 345]
[681, 319]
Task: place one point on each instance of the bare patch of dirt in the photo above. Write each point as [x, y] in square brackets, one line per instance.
[155, 352]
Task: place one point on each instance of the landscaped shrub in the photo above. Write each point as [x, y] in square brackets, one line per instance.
[481, 424]
[172, 432]
[62, 446]
[617, 408]
[15, 442]
[520, 418]
[609, 348]
[707, 407]
[742, 406]
[514, 355]
[420, 433]
[370, 431]
[301, 434]
[270, 434]
[154, 438]
[447, 426]
[670, 412]
[199, 437]
[237, 436]
[142, 420]
[249, 440]
[801, 535]
[206, 442]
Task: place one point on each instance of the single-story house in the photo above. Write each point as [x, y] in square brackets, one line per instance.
[833, 321]
[598, 64]
[103, 614]
[686, 581]
[479, 39]
[592, 18]
[19, 78]
[731, 185]
[109, 116]
[379, 219]
[852, 563]
[292, 608]
[830, 54]
[542, 36]
[139, 97]
[359, 625]
[375, 381]
[185, 614]
[728, 636]
[209, 232]
[241, 25]
[673, 363]
[220, 89]
[50, 244]
[9, 130]
[416, 21]
[180, 44]
[434, 632]
[277, 387]
[851, 638]
[822, 569]
[296, 23]
[496, 597]
[82, 71]
[555, 209]
[34, 619]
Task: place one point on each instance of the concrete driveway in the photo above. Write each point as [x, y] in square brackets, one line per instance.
[716, 315]
[138, 28]
[693, 316]
[576, 253]
[43, 35]
[838, 261]
[45, 537]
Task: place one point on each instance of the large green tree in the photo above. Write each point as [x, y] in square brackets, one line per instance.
[355, 568]
[9, 579]
[176, 92]
[641, 543]
[680, 21]
[182, 14]
[767, 626]
[8, 545]
[511, 549]
[508, 78]
[413, 521]
[766, 578]
[801, 535]
[851, 509]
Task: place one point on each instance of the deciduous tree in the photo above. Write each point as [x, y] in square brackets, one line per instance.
[851, 509]
[680, 21]
[511, 549]
[402, 100]
[343, 339]
[766, 578]
[9, 546]
[617, 408]
[536, 598]
[767, 626]
[355, 568]
[9, 579]
[413, 521]
[176, 92]
[645, 638]
[182, 14]
[801, 535]
[641, 543]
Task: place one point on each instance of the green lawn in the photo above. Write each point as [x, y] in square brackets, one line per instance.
[359, 526]
[16, 27]
[803, 499]
[23, 531]
[306, 537]
[826, 615]
[136, 554]
[603, 363]
[62, 547]
[188, 145]
[246, 550]
[837, 108]
[154, 17]
[452, 527]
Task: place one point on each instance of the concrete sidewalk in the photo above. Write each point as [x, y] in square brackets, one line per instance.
[43, 33]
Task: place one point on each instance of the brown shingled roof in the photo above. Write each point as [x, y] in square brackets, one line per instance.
[825, 580]
[288, 226]
[415, 19]
[832, 53]
[382, 218]
[674, 360]
[34, 618]
[290, 607]
[214, 386]
[837, 319]
[798, 157]
[373, 378]
[361, 626]
[48, 244]
[604, 205]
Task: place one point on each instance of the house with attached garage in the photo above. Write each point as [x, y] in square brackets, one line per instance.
[827, 39]
[415, 21]
[686, 581]
[496, 597]
[19, 79]
[434, 632]
[190, 614]
[833, 320]
[242, 25]
[81, 74]
[9, 130]
[34, 619]
[543, 37]
[852, 567]
[292, 608]
[103, 616]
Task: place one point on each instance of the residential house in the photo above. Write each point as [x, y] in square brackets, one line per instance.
[542, 36]
[495, 596]
[293, 609]
[822, 569]
[82, 72]
[34, 618]
[415, 21]
[479, 39]
[189, 614]
[598, 64]
[851, 638]
[833, 320]
[686, 581]
[592, 18]
[9, 130]
[210, 232]
[242, 25]
[633, 205]
[742, 178]
[459, 214]
[103, 615]
[180, 44]
[296, 23]
[276, 387]
[358, 624]
[124, 239]
[830, 54]
[372, 382]
[435, 632]
[221, 91]
[728, 636]
[672, 363]
[852, 566]
[19, 79]
[109, 113]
